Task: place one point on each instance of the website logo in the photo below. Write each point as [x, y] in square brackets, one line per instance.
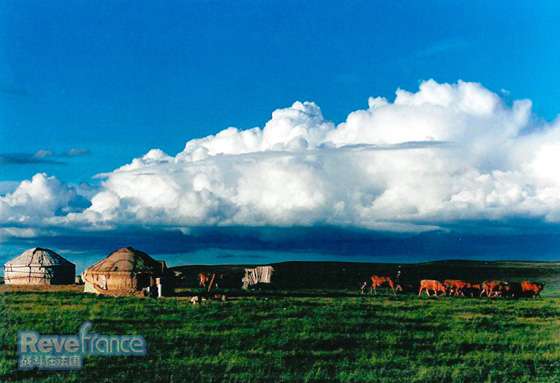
[66, 352]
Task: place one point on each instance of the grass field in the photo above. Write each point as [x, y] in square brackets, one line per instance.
[318, 336]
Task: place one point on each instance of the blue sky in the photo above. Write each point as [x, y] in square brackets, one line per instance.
[86, 87]
[118, 77]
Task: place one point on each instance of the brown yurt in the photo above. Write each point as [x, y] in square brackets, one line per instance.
[39, 266]
[126, 271]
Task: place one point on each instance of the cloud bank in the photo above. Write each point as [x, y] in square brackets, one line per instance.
[444, 155]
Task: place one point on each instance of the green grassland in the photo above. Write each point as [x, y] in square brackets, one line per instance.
[313, 327]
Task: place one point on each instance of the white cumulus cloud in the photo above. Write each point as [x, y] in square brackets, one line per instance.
[37, 199]
[444, 154]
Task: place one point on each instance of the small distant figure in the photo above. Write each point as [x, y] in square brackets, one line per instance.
[207, 281]
[398, 276]
[363, 287]
[398, 279]
[203, 279]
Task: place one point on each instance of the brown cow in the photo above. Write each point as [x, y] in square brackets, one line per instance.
[493, 289]
[379, 281]
[431, 284]
[456, 287]
[531, 288]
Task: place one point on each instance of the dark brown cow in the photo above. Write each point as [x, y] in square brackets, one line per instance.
[473, 290]
[512, 290]
[494, 289]
[456, 287]
[433, 285]
[531, 288]
[379, 281]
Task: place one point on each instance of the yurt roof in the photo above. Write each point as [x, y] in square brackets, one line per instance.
[126, 259]
[38, 257]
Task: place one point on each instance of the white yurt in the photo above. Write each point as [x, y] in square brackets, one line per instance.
[39, 266]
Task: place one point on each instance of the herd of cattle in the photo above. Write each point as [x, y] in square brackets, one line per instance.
[432, 287]
[455, 287]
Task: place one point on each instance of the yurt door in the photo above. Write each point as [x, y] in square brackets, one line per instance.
[102, 282]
